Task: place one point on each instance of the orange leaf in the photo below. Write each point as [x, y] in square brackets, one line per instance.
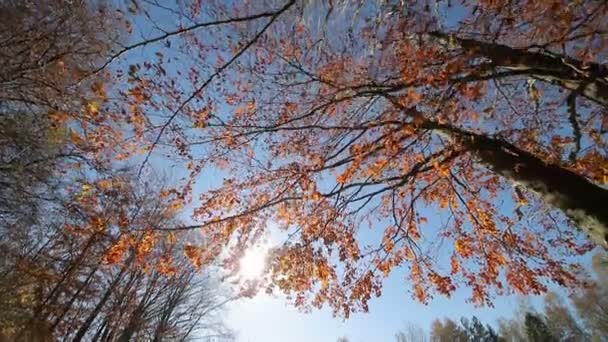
[194, 254]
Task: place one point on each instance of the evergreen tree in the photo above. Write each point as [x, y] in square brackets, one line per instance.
[536, 329]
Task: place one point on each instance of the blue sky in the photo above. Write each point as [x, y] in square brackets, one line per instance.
[272, 319]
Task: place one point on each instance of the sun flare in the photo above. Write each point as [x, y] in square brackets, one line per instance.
[252, 264]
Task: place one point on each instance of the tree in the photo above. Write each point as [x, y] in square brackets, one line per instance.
[468, 331]
[477, 332]
[536, 329]
[43, 46]
[555, 323]
[412, 333]
[591, 303]
[491, 114]
[110, 277]
[560, 322]
[46, 50]
[81, 256]
[511, 330]
[447, 330]
[377, 120]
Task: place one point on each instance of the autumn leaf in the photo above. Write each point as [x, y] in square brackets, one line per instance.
[463, 247]
[194, 254]
[93, 108]
[454, 265]
[99, 90]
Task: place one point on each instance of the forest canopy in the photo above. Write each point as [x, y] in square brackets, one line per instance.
[463, 141]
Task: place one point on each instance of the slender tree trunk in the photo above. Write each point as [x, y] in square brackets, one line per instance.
[137, 315]
[75, 296]
[66, 276]
[585, 203]
[133, 324]
[89, 320]
[169, 307]
[121, 307]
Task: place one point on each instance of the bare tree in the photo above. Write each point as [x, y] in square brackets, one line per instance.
[560, 321]
[412, 333]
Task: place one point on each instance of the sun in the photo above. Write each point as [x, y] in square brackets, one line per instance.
[253, 262]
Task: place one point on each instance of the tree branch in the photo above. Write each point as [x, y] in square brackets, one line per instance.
[576, 129]
[273, 17]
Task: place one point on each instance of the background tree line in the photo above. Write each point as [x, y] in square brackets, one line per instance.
[584, 317]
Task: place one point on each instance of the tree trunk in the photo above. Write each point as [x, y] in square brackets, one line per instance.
[89, 320]
[66, 276]
[587, 79]
[170, 304]
[585, 203]
[138, 314]
[68, 306]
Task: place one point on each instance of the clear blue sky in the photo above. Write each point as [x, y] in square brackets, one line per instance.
[272, 319]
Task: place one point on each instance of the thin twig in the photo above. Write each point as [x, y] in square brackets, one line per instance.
[274, 16]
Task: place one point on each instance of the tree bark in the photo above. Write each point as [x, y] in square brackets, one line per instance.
[585, 203]
[587, 79]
